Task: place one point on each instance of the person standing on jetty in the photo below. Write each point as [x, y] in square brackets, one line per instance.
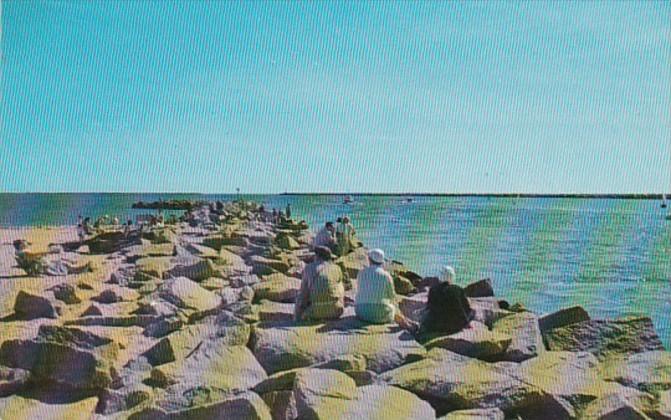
[325, 237]
[288, 211]
[322, 294]
[345, 235]
[375, 300]
[447, 308]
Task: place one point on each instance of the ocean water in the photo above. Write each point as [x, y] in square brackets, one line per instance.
[611, 256]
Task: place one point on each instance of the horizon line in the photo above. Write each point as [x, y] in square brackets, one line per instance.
[649, 196]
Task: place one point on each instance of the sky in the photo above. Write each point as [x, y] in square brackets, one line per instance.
[276, 96]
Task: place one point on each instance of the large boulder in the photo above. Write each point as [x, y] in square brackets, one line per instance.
[562, 318]
[30, 306]
[66, 293]
[225, 328]
[284, 346]
[487, 310]
[482, 288]
[202, 251]
[353, 262]
[152, 267]
[267, 310]
[195, 270]
[241, 406]
[66, 355]
[285, 241]
[476, 414]
[322, 393]
[281, 403]
[329, 394]
[277, 288]
[649, 371]
[454, 382]
[568, 376]
[605, 338]
[261, 264]
[187, 294]
[527, 341]
[217, 369]
[24, 407]
[413, 306]
[477, 342]
[12, 380]
[616, 406]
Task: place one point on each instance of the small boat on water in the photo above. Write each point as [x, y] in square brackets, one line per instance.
[348, 199]
[409, 200]
[663, 201]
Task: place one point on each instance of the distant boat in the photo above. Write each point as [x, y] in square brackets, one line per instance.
[663, 201]
[409, 200]
[348, 199]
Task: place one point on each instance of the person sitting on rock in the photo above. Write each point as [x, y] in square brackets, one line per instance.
[375, 300]
[447, 309]
[322, 294]
[325, 237]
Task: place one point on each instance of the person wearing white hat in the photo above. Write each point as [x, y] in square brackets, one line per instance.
[447, 308]
[375, 300]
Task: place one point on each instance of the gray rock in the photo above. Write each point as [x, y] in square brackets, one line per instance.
[482, 288]
[197, 270]
[563, 318]
[329, 394]
[477, 342]
[527, 341]
[187, 294]
[65, 355]
[649, 371]
[107, 296]
[455, 382]
[115, 400]
[282, 404]
[30, 306]
[615, 407]
[283, 346]
[606, 338]
[277, 288]
[475, 414]
[242, 406]
[66, 293]
[12, 380]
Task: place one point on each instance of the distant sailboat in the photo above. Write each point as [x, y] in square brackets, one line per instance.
[348, 199]
[663, 201]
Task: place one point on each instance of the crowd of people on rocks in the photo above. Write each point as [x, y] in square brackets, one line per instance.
[322, 293]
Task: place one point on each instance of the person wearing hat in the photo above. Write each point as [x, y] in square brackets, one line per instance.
[322, 293]
[447, 307]
[375, 300]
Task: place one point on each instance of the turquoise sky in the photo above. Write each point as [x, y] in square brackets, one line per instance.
[336, 96]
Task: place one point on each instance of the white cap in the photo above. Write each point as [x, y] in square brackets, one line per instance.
[447, 274]
[376, 255]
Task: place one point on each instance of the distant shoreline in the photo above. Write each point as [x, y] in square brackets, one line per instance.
[494, 195]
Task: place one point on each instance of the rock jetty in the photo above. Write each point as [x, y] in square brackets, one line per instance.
[194, 320]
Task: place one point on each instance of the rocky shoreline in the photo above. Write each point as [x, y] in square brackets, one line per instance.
[194, 321]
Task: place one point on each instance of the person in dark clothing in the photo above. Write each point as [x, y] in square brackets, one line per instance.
[288, 211]
[447, 309]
